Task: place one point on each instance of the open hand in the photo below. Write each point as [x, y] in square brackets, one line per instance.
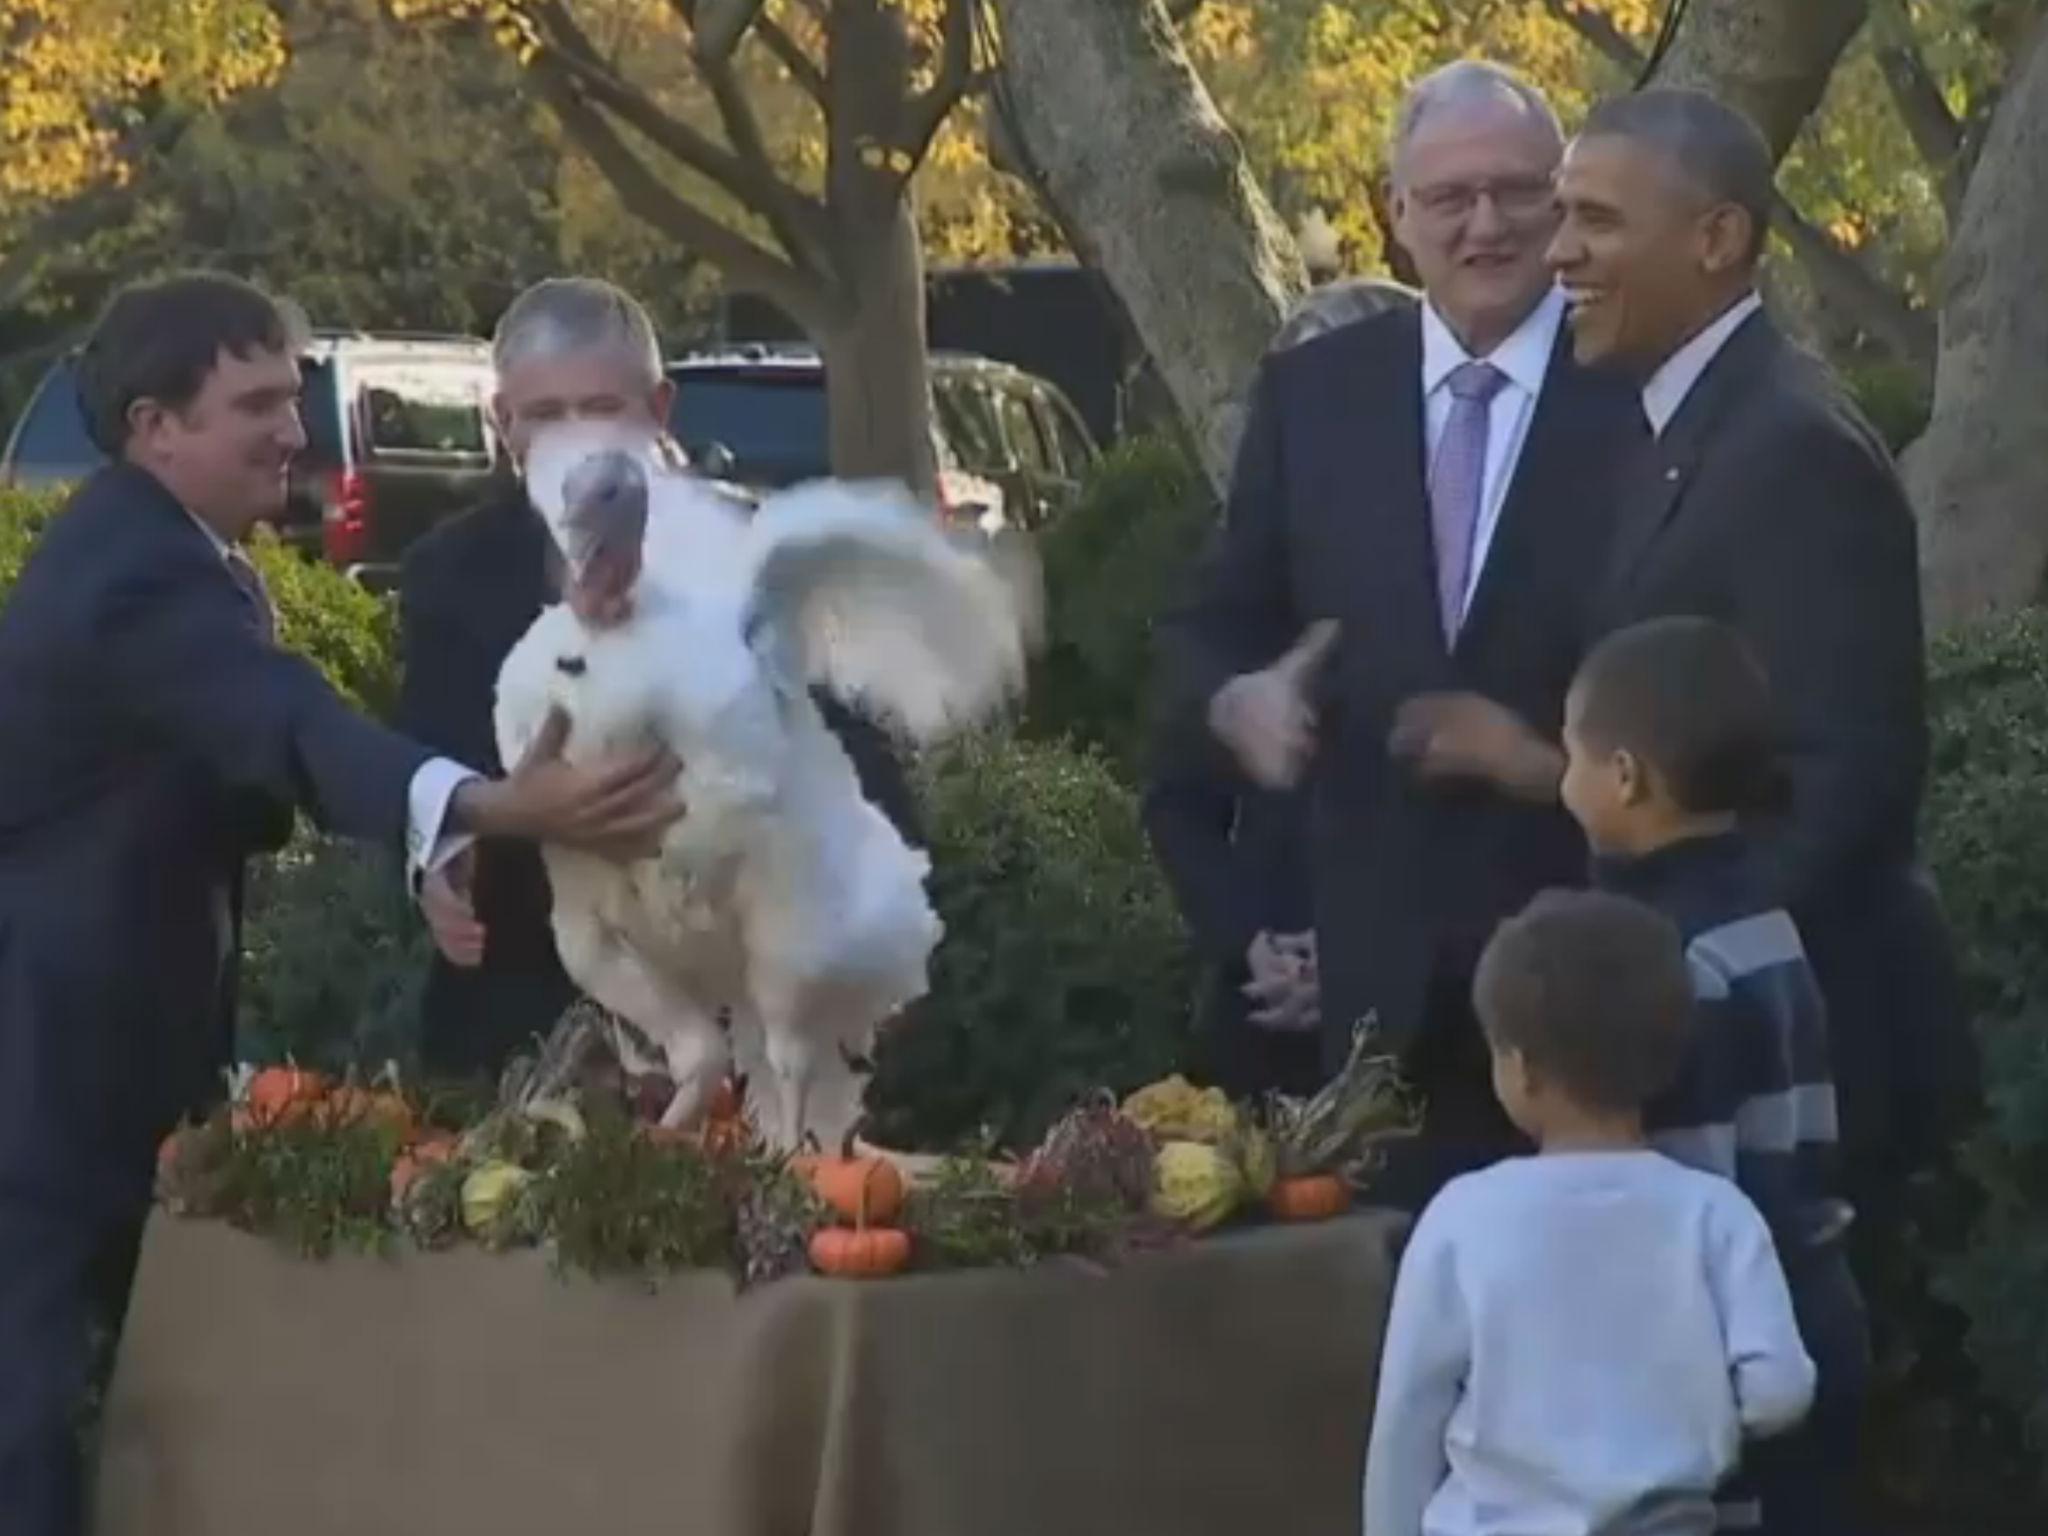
[446, 903]
[617, 810]
[1266, 718]
[1285, 989]
[1468, 736]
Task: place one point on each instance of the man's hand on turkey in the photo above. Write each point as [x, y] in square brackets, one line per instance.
[616, 809]
[446, 903]
[1467, 736]
[1267, 719]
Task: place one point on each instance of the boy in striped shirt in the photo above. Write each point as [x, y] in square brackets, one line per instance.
[1669, 744]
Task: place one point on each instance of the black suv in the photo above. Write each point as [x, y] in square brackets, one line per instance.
[1012, 451]
[398, 436]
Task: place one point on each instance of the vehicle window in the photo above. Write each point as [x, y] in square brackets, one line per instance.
[320, 411]
[773, 425]
[427, 411]
[52, 435]
[969, 425]
[1074, 449]
[1020, 428]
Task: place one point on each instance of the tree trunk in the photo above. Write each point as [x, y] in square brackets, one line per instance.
[1122, 137]
[877, 384]
[1771, 58]
[1980, 475]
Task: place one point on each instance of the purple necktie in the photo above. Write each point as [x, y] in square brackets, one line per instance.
[1457, 482]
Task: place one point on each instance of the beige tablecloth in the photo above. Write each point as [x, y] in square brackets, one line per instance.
[1220, 1388]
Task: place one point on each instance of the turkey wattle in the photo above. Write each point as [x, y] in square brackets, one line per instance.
[782, 899]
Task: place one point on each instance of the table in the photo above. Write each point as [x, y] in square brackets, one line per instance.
[1221, 1387]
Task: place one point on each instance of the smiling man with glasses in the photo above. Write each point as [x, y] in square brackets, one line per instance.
[1428, 480]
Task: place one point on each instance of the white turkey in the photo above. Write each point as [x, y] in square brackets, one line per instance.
[782, 899]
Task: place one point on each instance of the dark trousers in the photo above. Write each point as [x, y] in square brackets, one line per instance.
[62, 1278]
[1807, 1481]
[1464, 1128]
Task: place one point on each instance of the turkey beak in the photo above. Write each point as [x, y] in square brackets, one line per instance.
[605, 518]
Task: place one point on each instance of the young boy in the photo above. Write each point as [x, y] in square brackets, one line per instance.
[1581, 1339]
[1669, 747]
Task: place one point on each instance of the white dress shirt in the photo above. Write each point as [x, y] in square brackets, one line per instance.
[1670, 384]
[1524, 359]
[428, 845]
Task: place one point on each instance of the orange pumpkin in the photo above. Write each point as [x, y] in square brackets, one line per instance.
[278, 1094]
[870, 1251]
[862, 1190]
[1313, 1197]
[350, 1105]
[406, 1171]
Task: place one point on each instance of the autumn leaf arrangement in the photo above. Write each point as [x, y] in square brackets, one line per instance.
[560, 1161]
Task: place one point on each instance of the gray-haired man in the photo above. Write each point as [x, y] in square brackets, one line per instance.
[567, 348]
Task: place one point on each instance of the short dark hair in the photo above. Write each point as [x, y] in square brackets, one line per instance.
[1688, 698]
[1592, 989]
[159, 339]
[1716, 148]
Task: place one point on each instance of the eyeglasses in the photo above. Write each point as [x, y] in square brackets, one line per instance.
[1513, 197]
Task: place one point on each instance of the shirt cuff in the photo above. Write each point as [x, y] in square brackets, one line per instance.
[428, 845]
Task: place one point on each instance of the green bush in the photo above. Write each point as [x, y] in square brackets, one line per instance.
[334, 959]
[1897, 397]
[1987, 836]
[347, 633]
[1063, 967]
[1112, 566]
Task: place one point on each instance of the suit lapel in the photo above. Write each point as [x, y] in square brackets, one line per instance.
[1548, 459]
[1652, 491]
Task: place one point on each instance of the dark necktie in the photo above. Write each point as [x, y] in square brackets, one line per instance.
[250, 580]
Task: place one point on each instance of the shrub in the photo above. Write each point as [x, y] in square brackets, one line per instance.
[1987, 837]
[335, 958]
[1063, 966]
[1112, 566]
[347, 633]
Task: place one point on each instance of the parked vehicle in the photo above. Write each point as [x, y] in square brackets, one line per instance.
[398, 436]
[1012, 451]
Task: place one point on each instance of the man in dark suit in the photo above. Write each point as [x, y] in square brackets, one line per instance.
[1767, 502]
[1420, 480]
[567, 347]
[1236, 855]
[156, 736]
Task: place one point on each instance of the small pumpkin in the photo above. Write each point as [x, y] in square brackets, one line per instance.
[350, 1105]
[280, 1094]
[1310, 1197]
[430, 1152]
[862, 1189]
[866, 1252]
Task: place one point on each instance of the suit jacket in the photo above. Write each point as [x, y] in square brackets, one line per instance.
[1237, 859]
[1769, 503]
[153, 741]
[468, 592]
[1328, 517]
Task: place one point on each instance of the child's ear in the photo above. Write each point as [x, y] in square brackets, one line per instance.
[1631, 778]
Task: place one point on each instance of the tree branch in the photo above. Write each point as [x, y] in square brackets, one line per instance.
[571, 51]
[717, 28]
[746, 264]
[1935, 132]
[791, 56]
[1867, 299]
[955, 77]
[1598, 29]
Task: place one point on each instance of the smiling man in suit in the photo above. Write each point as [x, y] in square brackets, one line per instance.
[156, 735]
[1419, 479]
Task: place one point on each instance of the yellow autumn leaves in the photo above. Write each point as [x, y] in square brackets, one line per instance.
[79, 71]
